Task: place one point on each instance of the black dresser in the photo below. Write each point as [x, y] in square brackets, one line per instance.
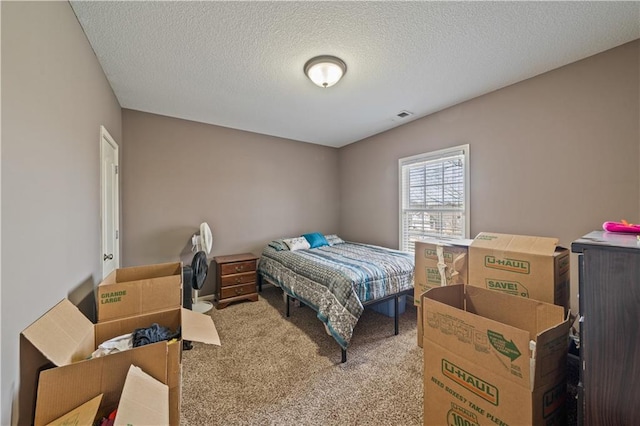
[609, 304]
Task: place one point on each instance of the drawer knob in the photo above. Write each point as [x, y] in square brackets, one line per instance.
[239, 268]
[239, 290]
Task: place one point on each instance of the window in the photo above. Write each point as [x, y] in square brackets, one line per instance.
[434, 196]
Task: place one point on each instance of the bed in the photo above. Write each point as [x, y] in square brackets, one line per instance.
[337, 279]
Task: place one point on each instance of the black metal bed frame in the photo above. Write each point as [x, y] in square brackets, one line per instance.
[365, 304]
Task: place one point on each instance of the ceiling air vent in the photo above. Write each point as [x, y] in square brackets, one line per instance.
[401, 116]
[404, 114]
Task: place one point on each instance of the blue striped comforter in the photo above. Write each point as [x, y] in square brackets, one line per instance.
[336, 280]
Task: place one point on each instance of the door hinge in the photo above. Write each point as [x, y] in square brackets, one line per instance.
[116, 169]
[117, 234]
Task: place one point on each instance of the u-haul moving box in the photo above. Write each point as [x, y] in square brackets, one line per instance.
[432, 257]
[137, 290]
[54, 351]
[451, 255]
[492, 358]
[143, 401]
[531, 267]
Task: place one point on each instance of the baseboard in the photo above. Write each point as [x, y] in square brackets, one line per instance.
[208, 297]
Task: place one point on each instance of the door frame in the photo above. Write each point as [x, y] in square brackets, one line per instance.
[105, 137]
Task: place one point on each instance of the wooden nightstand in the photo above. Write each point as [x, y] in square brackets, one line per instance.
[235, 278]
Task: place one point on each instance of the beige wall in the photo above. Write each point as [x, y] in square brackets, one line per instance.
[54, 99]
[249, 188]
[556, 155]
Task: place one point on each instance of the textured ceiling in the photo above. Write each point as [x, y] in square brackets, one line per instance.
[239, 64]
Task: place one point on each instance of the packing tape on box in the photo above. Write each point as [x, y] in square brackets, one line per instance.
[442, 267]
[456, 266]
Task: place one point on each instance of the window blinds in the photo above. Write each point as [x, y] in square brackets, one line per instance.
[433, 191]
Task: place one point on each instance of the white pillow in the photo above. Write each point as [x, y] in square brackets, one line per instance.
[333, 239]
[298, 243]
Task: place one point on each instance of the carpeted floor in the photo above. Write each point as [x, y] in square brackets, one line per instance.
[272, 370]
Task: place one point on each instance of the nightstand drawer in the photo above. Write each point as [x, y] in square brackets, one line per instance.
[237, 290]
[235, 279]
[237, 267]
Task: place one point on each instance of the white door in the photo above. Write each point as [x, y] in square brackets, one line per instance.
[110, 213]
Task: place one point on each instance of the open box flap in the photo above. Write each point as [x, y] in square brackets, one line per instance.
[551, 354]
[447, 242]
[145, 272]
[525, 314]
[63, 334]
[198, 327]
[83, 415]
[109, 279]
[144, 400]
[515, 243]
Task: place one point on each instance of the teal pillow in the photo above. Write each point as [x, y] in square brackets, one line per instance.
[316, 239]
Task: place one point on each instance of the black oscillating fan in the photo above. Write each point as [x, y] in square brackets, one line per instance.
[194, 276]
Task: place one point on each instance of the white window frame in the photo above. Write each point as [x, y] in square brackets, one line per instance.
[442, 154]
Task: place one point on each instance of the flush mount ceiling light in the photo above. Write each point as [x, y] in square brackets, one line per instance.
[325, 71]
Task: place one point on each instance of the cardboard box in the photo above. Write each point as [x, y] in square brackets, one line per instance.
[420, 328]
[137, 290]
[143, 401]
[451, 255]
[85, 414]
[54, 351]
[492, 358]
[531, 267]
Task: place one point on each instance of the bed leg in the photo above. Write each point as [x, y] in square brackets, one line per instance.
[259, 283]
[287, 308]
[344, 355]
[395, 317]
